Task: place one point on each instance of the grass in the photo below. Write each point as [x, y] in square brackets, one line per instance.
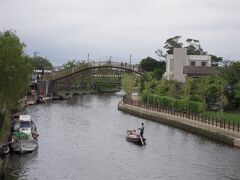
[229, 116]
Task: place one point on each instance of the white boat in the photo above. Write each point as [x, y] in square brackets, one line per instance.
[24, 134]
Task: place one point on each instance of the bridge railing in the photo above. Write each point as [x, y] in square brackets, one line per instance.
[69, 71]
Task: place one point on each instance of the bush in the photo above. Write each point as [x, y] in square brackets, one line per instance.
[169, 102]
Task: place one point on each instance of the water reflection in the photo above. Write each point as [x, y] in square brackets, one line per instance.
[84, 138]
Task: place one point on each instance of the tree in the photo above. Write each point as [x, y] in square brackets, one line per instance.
[158, 73]
[231, 75]
[193, 47]
[172, 43]
[187, 88]
[215, 96]
[215, 60]
[40, 63]
[15, 70]
[149, 64]
[172, 91]
[128, 83]
[162, 88]
[74, 64]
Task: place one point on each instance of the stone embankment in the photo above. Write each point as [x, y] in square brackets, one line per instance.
[196, 127]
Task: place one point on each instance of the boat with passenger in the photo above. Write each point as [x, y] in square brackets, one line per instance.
[134, 137]
[24, 134]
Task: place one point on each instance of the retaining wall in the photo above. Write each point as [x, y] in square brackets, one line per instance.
[220, 134]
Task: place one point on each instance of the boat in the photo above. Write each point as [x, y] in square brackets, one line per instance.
[133, 136]
[24, 134]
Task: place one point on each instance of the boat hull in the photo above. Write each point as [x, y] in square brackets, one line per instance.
[136, 140]
[24, 146]
[132, 136]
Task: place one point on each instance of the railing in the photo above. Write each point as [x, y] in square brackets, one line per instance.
[66, 72]
[213, 121]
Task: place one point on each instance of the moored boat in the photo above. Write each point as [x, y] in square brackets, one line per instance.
[24, 134]
[133, 136]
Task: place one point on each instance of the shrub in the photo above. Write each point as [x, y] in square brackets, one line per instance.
[169, 102]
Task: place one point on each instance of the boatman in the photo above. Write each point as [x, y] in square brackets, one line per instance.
[141, 130]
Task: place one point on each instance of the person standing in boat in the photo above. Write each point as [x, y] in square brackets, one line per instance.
[141, 130]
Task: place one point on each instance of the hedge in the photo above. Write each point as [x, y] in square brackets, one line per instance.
[169, 102]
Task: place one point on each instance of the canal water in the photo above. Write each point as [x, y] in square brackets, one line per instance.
[84, 139]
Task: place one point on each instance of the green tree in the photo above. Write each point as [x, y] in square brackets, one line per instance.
[40, 63]
[15, 70]
[187, 88]
[73, 64]
[172, 43]
[216, 86]
[158, 73]
[172, 91]
[198, 91]
[149, 64]
[215, 60]
[128, 83]
[162, 88]
[193, 47]
[231, 75]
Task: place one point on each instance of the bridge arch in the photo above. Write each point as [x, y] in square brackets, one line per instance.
[90, 69]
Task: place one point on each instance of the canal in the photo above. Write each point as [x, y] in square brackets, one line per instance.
[84, 139]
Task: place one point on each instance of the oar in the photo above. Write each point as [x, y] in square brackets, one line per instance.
[141, 139]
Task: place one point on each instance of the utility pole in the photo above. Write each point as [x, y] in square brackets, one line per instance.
[130, 59]
[88, 57]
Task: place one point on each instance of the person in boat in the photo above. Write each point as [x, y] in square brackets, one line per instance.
[141, 130]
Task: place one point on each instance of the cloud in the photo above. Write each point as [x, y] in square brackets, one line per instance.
[119, 27]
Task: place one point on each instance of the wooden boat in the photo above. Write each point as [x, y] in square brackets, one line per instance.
[24, 134]
[133, 136]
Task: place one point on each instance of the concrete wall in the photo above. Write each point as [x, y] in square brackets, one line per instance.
[176, 61]
[180, 60]
[223, 135]
[199, 59]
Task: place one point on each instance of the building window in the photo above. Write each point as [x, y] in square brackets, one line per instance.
[203, 63]
[193, 63]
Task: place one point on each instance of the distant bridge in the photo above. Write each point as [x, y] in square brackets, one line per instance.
[71, 77]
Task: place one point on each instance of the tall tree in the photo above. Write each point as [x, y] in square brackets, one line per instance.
[128, 83]
[172, 43]
[187, 88]
[15, 69]
[231, 75]
[149, 64]
[194, 47]
[40, 63]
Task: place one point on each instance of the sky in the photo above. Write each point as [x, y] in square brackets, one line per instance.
[63, 30]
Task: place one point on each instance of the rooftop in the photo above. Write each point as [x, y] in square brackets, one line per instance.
[199, 70]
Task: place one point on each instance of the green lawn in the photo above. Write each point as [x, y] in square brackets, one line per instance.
[234, 117]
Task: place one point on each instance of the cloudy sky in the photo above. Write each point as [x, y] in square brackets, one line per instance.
[70, 29]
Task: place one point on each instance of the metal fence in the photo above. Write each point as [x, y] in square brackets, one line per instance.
[213, 121]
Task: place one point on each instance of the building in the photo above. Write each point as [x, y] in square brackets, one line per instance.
[179, 65]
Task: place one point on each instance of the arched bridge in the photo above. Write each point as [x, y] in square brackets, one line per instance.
[91, 74]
